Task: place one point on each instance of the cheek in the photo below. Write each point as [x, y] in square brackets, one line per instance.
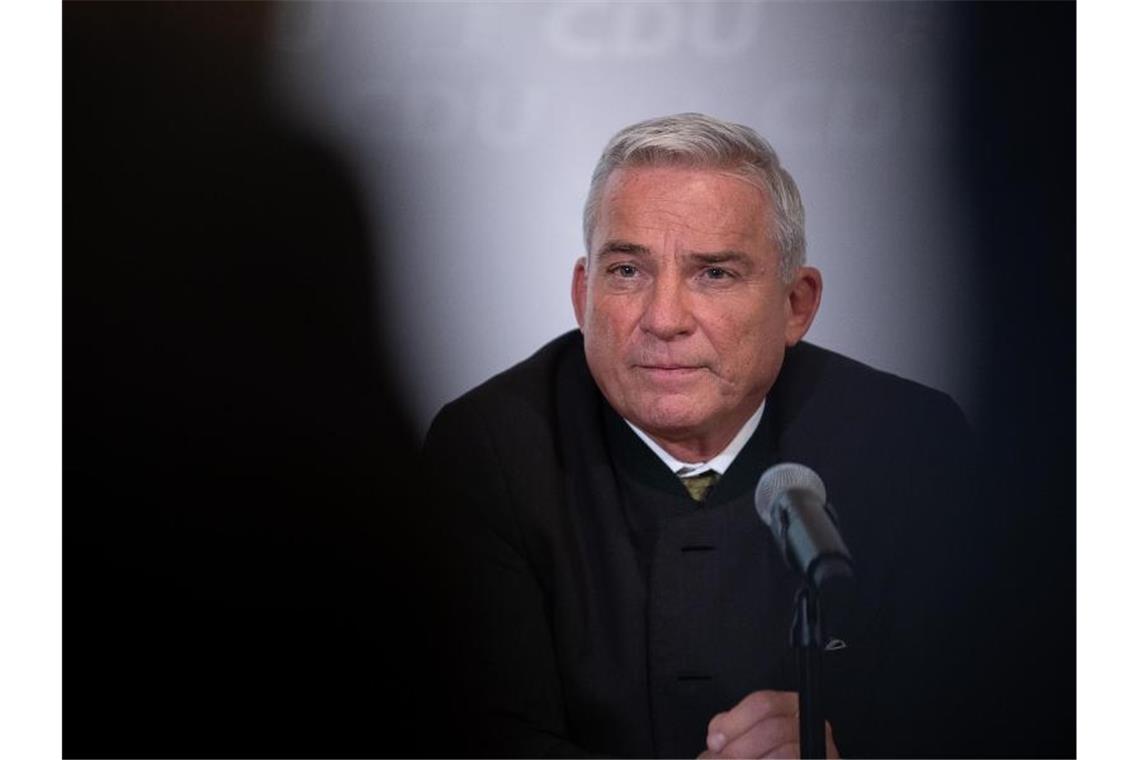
[600, 335]
[747, 348]
[612, 322]
[605, 344]
[733, 335]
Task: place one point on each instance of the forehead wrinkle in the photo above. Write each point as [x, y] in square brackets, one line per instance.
[683, 223]
[671, 216]
[669, 213]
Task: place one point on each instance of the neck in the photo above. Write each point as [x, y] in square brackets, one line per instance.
[693, 450]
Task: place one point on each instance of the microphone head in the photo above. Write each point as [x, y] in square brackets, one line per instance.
[792, 501]
[781, 478]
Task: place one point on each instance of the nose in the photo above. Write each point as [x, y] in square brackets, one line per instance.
[668, 313]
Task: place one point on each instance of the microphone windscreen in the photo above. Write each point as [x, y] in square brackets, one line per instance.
[781, 478]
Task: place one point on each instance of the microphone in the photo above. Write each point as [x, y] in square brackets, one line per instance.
[792, 501]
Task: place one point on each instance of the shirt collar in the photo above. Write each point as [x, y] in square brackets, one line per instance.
[719, 463]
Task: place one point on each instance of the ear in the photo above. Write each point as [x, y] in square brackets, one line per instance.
[804, 294]
[578, 291]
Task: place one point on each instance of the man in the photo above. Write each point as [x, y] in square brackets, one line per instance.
[615, 591]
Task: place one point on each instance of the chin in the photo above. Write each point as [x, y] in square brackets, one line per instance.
[671, 418]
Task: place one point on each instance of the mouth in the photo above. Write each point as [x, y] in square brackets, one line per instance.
[669, 371]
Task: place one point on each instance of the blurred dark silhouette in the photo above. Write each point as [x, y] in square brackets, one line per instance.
[1016, 126]
[241, 563]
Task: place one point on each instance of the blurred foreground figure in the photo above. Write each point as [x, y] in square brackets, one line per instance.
[237, 576]
[616, 592]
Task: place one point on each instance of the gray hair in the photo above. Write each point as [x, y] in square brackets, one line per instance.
[699, 141]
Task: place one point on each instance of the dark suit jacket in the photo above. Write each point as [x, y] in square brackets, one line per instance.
[598, 609]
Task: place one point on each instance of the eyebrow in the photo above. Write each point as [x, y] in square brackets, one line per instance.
[719, 257]
[622, 247]
[626, 248]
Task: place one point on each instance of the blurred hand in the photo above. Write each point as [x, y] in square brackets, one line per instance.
[763, 724]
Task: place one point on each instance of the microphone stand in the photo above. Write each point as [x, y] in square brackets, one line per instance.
[807, 640]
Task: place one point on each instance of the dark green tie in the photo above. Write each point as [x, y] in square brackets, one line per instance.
[699, 485]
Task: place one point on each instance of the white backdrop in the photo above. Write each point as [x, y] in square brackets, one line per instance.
[473, 129]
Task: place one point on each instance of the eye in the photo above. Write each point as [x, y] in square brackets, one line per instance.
[624, 270]
[716, 273]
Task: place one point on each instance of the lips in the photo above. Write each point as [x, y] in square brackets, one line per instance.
[666, 373]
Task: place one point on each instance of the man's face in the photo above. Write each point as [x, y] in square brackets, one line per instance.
[682, 307]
